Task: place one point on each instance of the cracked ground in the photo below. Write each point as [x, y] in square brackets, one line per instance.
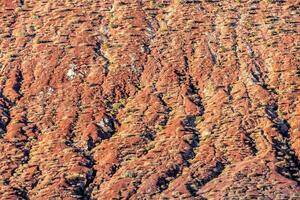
[144, 99]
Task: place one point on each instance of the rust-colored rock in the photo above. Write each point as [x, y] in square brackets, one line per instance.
[167, 99]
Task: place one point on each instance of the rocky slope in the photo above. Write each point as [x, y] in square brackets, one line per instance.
[144, 99]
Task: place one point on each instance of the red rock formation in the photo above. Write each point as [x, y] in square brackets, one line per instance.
[168, 99]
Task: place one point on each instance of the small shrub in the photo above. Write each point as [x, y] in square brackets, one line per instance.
[129, 174]
[152, 4]
[159, 127]
[223, 49]
[149, 147]
[117, 106]
[18, 34]
[199, 119]
[113, 25]
[205, 134]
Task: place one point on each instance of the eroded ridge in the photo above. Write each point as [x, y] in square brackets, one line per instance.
[167, 99]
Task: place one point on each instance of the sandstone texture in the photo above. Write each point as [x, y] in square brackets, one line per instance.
[145, 99]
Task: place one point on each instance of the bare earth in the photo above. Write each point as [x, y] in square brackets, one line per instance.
[144, 99]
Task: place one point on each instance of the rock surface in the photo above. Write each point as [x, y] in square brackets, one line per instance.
[166, 99]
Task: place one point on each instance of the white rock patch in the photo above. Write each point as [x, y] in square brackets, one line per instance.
[71, 74]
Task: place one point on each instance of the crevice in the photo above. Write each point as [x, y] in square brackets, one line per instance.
[181, 76]
[21, 193]
[298, 72]
[25, 147]
[228, 92]
[186, 63]
[163, 181]
[250, 142]
[148, 133]
[17, 86]
[257, 76]
[22, 2]
[5, 117]
[167, 108]
[99, 53]
[36, 179]
[193, 95]
[213, 55]
[197, 183]
[288, 165]
[193, 141]
[82, 186]
[190, 126]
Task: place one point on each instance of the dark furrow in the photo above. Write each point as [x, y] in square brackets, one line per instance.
[134, 74]
[189, 124]
[21, 193]
[197, 183]
[5, 114]
[249, 141]
[167, 108]
[18, 85]
[173, 173]
[289, 165]
[99, 53]
[81, 187]
[22, 2]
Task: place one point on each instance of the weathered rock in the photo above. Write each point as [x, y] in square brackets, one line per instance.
[180, 99]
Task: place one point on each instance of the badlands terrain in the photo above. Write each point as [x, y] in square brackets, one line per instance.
[145, 99]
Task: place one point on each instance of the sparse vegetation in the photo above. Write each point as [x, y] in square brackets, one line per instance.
[199, 119]
[129, 174]
[168, 99]
[159, 127]
[117, 106]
